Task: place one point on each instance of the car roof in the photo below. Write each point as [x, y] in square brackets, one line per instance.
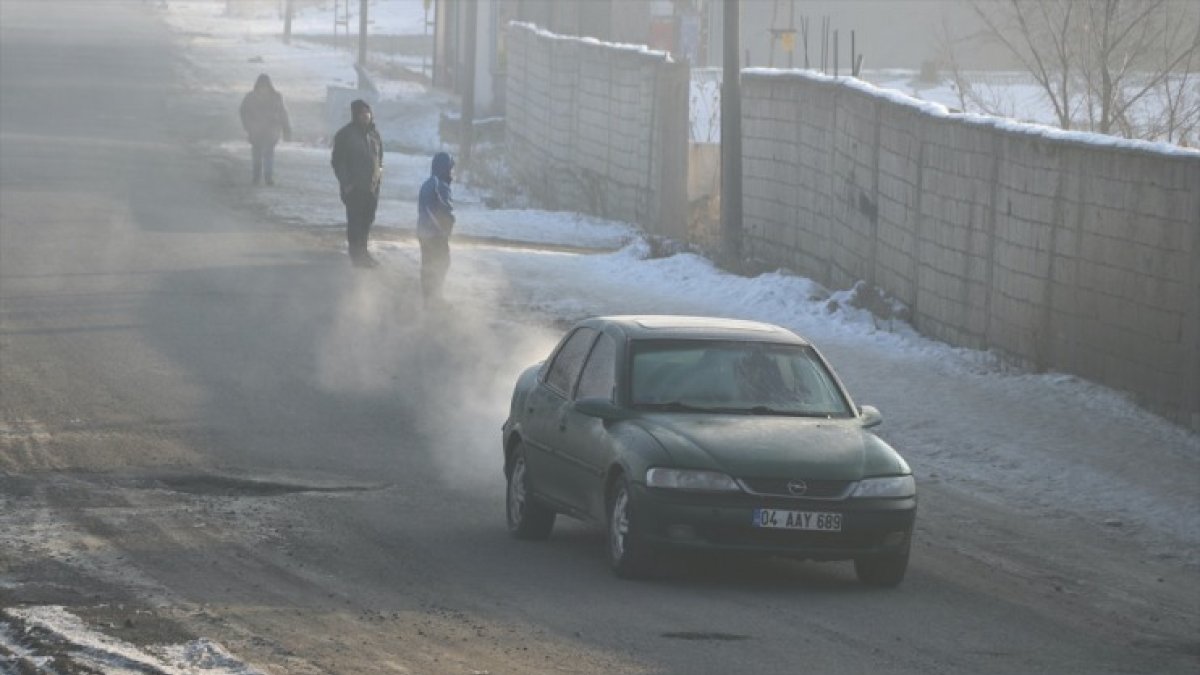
[673, 327]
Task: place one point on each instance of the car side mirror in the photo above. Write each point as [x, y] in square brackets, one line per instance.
[601, 408]
[870, 416]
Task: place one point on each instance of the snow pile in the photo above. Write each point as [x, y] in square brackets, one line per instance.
[90, 651]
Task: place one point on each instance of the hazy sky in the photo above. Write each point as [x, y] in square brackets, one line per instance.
[889, 33]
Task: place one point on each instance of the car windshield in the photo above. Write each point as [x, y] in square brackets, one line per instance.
[751, 378]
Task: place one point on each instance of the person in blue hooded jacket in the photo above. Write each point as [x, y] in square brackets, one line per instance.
[435, 222]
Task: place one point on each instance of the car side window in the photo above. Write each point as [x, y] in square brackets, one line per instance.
[598, 379]
[569, 360]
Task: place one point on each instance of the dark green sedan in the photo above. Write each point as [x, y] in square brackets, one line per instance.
[704, 433]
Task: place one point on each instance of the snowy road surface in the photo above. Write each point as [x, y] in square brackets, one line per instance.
[222, 449]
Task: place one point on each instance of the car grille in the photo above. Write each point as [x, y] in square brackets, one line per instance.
[817, 489]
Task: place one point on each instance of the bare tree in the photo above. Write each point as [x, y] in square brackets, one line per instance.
[973, 89]
[1177, 102]
[1111, 66]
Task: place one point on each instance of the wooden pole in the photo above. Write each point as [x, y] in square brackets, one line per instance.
[804, 34]
[287, 22]
[824, 45]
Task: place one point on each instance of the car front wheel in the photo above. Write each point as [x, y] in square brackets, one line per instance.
[885, 570]
[527, 519]
[628, 554]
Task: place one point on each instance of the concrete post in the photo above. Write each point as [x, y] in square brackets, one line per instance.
[731, 139]
[362, 33]
[467, 118]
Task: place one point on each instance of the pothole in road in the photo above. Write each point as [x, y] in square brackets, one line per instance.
[705, 636]
[226, 486]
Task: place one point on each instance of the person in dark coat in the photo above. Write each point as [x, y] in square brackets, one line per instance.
[358, 164]
[265, 120]
[435, 222]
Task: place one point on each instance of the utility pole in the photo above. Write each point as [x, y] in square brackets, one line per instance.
[731, 139]
[467, 118]
[362, 33]
[287, 22]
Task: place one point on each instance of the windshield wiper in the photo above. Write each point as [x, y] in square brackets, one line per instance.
[680, 406]
[767, 410]
[675, 406]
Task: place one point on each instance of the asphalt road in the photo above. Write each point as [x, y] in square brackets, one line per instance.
[197, 440]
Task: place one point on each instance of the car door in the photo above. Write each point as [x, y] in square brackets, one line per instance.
[548, 471]
[586, 448]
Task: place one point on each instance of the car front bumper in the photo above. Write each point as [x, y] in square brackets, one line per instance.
[674, 519]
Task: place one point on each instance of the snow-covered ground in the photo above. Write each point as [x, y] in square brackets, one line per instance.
[1049, 446]
[1032, 439]
[101, 653]
[1047, 457]
[385, 17]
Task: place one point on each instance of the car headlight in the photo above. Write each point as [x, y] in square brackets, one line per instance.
[883, 488]
[690, 479]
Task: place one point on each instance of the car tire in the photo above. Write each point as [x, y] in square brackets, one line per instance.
[527, 518]
[629, 554]
[886, 570]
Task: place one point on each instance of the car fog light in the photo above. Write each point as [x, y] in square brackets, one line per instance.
[681, 532]
[894, 539]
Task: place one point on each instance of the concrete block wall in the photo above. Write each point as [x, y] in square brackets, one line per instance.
[901, 138]
[854, 214]
[1058, 250]
[598, 128]
[954, 246]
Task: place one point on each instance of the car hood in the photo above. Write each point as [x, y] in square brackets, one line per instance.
[766, 446]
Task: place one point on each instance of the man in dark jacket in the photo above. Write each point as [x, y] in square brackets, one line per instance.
[435, 222]
[265, 120]
[358, 164]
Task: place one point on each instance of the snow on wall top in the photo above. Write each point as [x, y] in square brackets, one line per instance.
[621, 46]
[1000, 123]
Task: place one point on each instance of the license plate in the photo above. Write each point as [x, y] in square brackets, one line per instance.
[798, 520]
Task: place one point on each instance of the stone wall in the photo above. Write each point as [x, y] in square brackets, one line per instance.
[598, 128]
[1061, 251]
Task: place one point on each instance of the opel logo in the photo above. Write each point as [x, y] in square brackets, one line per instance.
[797, 487]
